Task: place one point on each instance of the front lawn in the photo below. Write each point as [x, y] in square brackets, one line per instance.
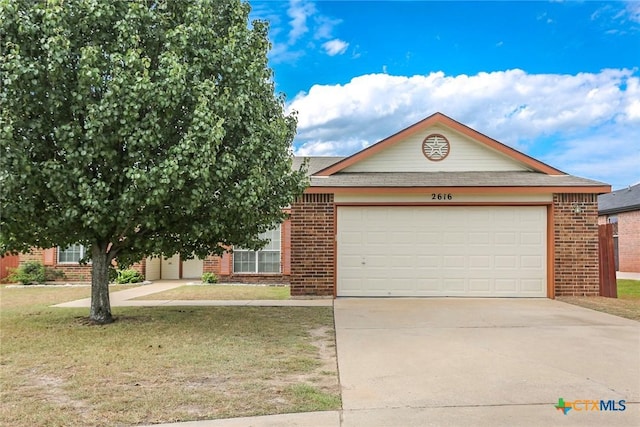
[222, 292]
[159, 364]
[626, 305]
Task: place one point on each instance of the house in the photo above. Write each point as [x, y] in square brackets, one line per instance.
[437, 209]
[622, 208]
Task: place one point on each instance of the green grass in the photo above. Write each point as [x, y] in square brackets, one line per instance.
[628, 289]
[222, 292]
[159, 364]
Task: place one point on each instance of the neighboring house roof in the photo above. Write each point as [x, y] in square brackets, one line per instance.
[625, 200]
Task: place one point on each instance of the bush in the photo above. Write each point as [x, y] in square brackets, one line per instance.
[51, 274]
[29, 273]
[209, 278]
[128, 276]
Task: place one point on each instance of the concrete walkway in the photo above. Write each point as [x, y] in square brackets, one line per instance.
[627, 275]
[126, 298]
[483, 362]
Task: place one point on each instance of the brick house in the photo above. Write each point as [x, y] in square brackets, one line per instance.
[622, 208]
[437, 209]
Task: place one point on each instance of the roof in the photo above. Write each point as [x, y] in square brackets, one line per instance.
[452, 179]
[335, 174]
[625, 200]
[315, 164]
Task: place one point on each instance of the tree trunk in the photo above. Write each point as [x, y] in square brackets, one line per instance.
[100, 304]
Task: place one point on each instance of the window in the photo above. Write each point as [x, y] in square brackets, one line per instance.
[72, 254]
[266, 260]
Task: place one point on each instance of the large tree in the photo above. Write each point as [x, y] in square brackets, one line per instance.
[139, 128]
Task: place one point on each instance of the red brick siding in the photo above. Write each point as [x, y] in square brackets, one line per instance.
[312, 245]
[223, 266]
[76, 273]
[576, 244]
[629, 241]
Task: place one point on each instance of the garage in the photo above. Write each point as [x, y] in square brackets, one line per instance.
[458, 251]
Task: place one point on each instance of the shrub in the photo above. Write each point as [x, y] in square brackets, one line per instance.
[29, 273]
[51, 274]
[209, 278]
[128, 276]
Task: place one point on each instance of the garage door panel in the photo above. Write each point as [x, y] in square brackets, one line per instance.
[531, 262]
[441, 251]
[480, 262]
[532, 285]
[506, 285]
[480, 285]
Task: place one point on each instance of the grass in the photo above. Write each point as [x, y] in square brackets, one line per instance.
[159, 364]
[222, 292]
[626, 305]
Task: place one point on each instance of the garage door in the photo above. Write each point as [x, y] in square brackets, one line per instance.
[479, 251]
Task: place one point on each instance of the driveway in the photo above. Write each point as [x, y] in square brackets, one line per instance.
[474, 362]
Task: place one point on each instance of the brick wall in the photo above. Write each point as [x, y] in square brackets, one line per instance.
[72, 272]
[629, 241]
[576, 244]
[312, 245]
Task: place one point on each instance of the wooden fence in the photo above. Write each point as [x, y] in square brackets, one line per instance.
[608, 285]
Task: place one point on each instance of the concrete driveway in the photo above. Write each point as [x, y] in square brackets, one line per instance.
[475, 362]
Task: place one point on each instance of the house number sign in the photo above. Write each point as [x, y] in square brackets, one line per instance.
[441, 196]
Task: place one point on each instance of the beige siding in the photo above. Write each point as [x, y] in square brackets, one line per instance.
[152, 269]
[428, 197]
[464, 155]
[192, 268]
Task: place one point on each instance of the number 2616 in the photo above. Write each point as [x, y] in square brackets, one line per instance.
[441, 196]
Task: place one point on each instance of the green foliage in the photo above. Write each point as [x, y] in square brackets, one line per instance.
[209, 278]
[31, 272]
[52, 274]
[128, 276]
[139, 129]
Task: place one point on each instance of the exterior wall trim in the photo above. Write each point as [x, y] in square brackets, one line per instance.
[470, 190]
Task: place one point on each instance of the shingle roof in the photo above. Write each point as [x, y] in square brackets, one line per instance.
[627, 199]
[452, 179]
[315, 164]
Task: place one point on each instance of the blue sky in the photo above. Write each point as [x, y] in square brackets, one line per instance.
[556, 80]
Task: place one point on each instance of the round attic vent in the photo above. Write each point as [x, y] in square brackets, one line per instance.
[435, 147]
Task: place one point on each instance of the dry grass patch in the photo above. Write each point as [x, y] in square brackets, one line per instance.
[626, 305]
[222, 292]
[160, 364]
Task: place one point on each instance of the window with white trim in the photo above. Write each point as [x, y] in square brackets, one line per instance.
[266, 260]
[71, 255]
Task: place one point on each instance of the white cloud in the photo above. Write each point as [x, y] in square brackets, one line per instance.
[299, 11]
[298, 28]
[335, 47]
[633, 10]
[577, 112]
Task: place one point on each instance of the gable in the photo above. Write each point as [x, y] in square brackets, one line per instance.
[470, 151]
[464, 155]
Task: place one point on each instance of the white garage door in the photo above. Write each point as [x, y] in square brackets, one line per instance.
[480, 251]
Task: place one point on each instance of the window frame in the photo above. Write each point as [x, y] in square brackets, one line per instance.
[60, 250]
[256, 255]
